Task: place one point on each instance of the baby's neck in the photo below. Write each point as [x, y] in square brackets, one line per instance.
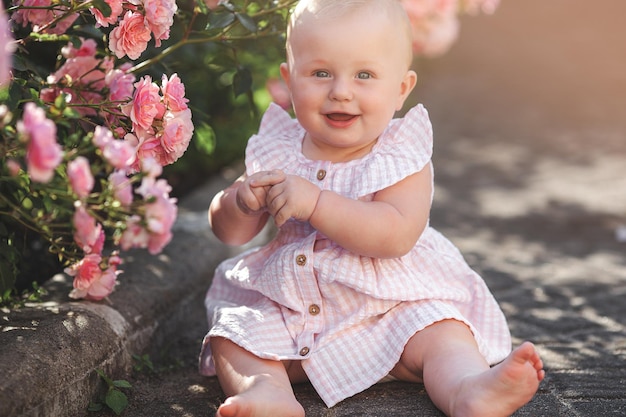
[320, 151]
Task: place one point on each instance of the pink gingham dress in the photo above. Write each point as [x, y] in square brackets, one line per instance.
[346, 317]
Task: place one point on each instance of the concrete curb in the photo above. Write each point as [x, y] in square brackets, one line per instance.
[50, 350]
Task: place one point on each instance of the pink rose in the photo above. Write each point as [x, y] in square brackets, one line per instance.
[90, 281]
[439, 37]
[154, 231]
[120, 154]
[130, 37]
[146, 104]
[434, 24]
[116, 11]
[147, 146]
[88, 47]
[102, 136]
[176, 134]
[34, 12]
[7, 46]
[151, 167]
[83, 71]
[122, 188]
[43, 154]
[160, 213]
[40, 15]
[144, 144]
[476, 6]
[48, 95]
[157, 241]
[120, 85]
[88, 234]
[14, 167]
[159, 18]
[134, 236]
[87, 74]
[174, 93]
[81, 179]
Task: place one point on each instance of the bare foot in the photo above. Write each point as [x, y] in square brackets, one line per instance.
[501, 390]
[262, 399]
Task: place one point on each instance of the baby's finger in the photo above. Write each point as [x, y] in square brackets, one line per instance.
[280, 217]
[277, 208]
[267, 178]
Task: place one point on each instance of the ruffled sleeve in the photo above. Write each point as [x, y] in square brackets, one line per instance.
[276, 145]
[404, 148]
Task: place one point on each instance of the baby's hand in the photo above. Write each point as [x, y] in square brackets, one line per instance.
[294, 197]
[252, 193]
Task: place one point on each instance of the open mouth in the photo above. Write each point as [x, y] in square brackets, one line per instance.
[340, 117]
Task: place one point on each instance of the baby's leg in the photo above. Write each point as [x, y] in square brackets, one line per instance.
[255, 387]
[457, 378]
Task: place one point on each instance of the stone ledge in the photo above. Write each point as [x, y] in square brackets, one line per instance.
[51, 349]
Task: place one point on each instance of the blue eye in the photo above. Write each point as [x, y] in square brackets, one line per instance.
[322, 74]
[364, 75]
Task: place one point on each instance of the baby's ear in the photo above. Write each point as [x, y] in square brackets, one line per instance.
[408, 84]
[284, 72]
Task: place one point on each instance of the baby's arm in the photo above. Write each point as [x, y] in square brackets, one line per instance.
[238, 213]
[386, 227]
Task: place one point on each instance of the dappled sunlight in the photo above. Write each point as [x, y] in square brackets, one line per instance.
[75, 322]
[197, 389]
[10, 328]
[598, 186]
[180, 411]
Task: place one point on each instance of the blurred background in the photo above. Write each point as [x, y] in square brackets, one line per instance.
[535, 97]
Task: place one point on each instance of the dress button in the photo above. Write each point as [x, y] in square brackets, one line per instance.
[321, 174]
[304, 351]
[301, 260]
[314, 309]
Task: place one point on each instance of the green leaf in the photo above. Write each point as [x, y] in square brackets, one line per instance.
[247, 22]
[59, 101]
[220, 20]
[116, 400]
[95, 407]
[34, 94]
[71, 113]
[242, 81]
[228, 6]
[120, 383]
[108, 380]
[205, 139]
[103, 6]
[201, 5]
[19, 63]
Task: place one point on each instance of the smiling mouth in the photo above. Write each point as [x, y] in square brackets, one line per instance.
[340, 117]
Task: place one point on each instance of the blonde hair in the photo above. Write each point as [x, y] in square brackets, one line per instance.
[334, 9]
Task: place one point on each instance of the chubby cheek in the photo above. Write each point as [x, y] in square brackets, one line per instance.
[305, 105]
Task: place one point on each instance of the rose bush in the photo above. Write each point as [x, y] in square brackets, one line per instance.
[88, 123]
[85, 134]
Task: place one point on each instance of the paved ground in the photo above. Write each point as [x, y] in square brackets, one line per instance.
[530, 159]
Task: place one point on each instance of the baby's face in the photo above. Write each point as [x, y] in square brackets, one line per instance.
[347, 75]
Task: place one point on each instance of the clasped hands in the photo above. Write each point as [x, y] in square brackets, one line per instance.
[281, 195]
